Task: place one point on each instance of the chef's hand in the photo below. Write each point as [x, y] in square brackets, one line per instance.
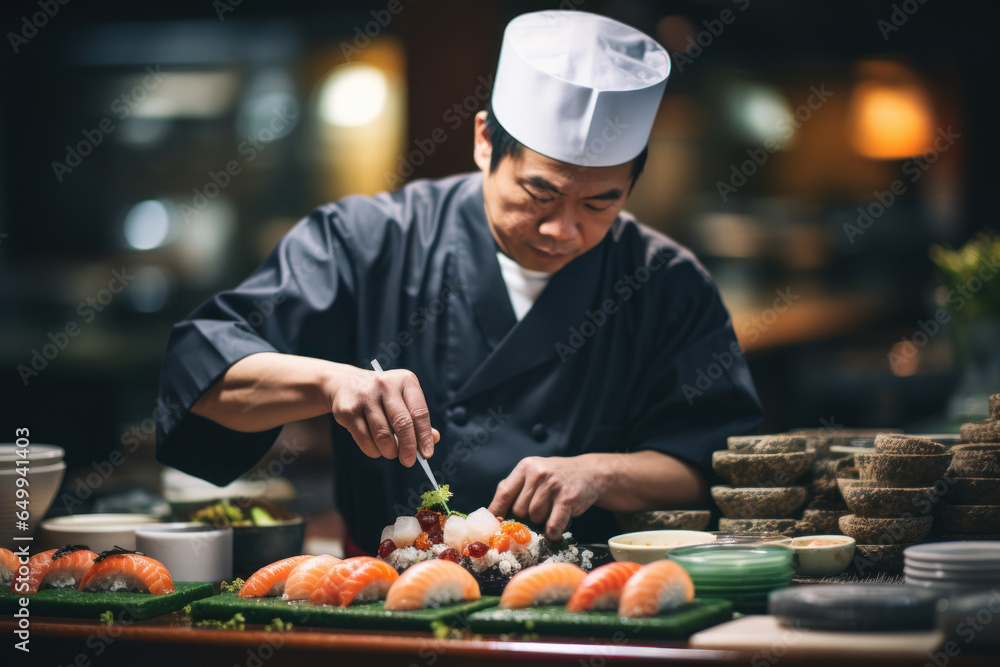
[552, 490]
[385, 412]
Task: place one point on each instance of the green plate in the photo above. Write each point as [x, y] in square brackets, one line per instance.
[125, 606]
[364, 616]
[555, 620]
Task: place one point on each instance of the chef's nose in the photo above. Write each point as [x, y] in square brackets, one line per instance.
[560, 225]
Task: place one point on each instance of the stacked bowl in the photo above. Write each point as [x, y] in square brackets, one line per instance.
[893, 499]
[961, 566]
[973, 510]
[762, 471]
[744, 575]
[41, 467]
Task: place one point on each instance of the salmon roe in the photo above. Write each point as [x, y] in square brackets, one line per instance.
[516, 531]
[500, 541]
[423, 541]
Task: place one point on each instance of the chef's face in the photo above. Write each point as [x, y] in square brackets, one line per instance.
[544, 213]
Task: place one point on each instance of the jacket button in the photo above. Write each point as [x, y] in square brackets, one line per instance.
[539, 432]
[460, 416]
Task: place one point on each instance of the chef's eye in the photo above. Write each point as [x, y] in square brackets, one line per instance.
[540, 200]
[597, 208]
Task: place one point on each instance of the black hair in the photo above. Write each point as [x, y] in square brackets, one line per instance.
[504, 145]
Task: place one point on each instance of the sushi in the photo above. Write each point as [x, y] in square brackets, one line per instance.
[58, 568]
[602, 588]
[549, 583]
[431, 583]
[658, 586]
[8, 567]
[121, 569]
[360, 579]
[304, 578]
[269, 581]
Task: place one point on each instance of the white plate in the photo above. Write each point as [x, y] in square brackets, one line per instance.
[9, 455]
[960, 553]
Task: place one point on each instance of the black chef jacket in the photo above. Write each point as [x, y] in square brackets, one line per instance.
[628, 348]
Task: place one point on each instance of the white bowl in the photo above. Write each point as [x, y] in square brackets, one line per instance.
[43, 484]
[99, 532]
[649, 545]
[825, 560]
[190, 551]
[10, 454]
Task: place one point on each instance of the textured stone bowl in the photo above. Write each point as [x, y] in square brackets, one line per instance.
[870, 500]
[970, 519]
[821, 522]
[667, 520]
[994, 405]
[772, 502]
[766, 444]
[984, 431]
[761, 469]
[787, 527]
[890, 443]
[975, 460]
[907, 470]
[887, 558]
[868, 530]
[974, 491]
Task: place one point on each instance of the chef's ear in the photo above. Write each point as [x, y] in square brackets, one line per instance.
[482, 152]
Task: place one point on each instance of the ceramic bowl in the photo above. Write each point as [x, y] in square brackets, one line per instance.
[190, 551]
[868, 499]
[970, 519]
[43, 479]
[667, 520]
[822, 555]
[761, 469]
[754, 503]
[766, 444]
[904, 530]
[649, 545]
[978, 460]
[99, 532]
[909, 470]
[890, 443]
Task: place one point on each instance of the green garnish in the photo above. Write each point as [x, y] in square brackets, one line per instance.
[261, 517]
[107, 618]
[436, 498]
[234, 587]
[442, 630]
[278, 625]
[186, 609]
[222, 513]
[455, 513]
[237, 622]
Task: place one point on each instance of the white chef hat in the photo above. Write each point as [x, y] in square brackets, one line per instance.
[578, 87]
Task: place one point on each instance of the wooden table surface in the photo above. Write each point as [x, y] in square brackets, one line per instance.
[170, 640]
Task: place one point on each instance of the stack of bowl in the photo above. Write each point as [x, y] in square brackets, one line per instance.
[954, 565]
[973, 509]
[762, 471]
[893, 500]
[745, 575]
[41, 467]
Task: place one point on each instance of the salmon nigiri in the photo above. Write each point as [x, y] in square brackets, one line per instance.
[360, 579]
[270, 579]
[304, 577]
[432, 583]
[660, 585]
[602, 588]
[8, 567]
[548, 583]
[121, 569]
[59, 568]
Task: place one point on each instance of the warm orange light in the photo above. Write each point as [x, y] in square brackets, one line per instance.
[890, 113]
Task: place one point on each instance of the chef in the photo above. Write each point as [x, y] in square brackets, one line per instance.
[554, 359]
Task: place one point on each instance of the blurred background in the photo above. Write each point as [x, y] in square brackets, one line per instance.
[820, 158]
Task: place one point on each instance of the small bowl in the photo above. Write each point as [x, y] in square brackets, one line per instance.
[987, 431]
[44, 478]
[868, 499]
[970, 519]
[667, 520]
[754, 503]
[974, 491]
[190, 551]
[884, 558]
[976, 460]
[787, 527]
[902, 470]
[766, 444]
[99, 532]
[822, 560]
[902, 530]
[649, 545]
[890, 443]
[761, 469]
[752, 539]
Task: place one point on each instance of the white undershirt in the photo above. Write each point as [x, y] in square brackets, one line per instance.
[523, 285]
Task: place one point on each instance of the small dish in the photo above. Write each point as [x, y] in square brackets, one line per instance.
[99, 532]
[649, 545]
[190, 551]
[827, 559]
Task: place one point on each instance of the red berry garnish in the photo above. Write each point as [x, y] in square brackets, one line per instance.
[450, 554]
[429, 521]
[478, 549]
[386, 548]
